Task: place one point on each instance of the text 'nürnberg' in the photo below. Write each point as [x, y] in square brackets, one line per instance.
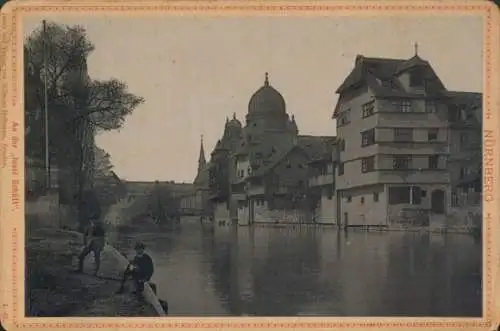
[488, 165]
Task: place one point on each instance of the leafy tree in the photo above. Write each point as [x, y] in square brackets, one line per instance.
[108, 186]
[79, 107]
[162, 205]
[102, 162]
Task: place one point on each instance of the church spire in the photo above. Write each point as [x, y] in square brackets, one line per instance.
[266, 80]
[201, 159]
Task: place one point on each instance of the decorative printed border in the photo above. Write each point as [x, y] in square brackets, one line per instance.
[9, 232]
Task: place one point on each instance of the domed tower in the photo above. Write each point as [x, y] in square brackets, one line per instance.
[268, 127]
[266, 112]
[233, 133]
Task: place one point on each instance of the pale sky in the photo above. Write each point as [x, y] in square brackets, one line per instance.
[193, 71]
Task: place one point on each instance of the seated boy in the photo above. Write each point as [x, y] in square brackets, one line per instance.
[140, 269]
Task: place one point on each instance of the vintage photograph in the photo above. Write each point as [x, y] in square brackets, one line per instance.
[253, 165]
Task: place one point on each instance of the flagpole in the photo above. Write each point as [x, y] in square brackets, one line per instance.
[46, 112]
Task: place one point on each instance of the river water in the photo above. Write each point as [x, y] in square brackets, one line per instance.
[264, 271]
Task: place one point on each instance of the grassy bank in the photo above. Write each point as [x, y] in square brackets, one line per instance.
[54, 290]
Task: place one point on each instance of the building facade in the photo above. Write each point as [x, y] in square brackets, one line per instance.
[322, 186]
[465, 116]
[259, 171]
[406, 152]
[393, 133]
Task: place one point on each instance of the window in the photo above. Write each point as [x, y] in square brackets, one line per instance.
[405, 195]
[368, 164]
[430, 107]
[403, 134]
[401, 162]
[362, 200]
[405, 106]
[375, 196]
[349, 198]
[432, 134]
[368, 109]
[344, 117]
[417, 78]
[341, 169]
[433, 161]
[368, 137]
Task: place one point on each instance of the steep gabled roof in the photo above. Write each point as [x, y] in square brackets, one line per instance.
[381, 76]
[415, 61]
[381, 73]
[378, 68]
[317, 147]
[275, 160]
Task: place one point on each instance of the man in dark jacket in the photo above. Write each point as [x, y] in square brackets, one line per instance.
[93, 241]
[140, 269]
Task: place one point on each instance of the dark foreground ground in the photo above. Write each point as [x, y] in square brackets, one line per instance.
[54, 290]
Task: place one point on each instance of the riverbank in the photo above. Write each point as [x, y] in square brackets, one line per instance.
[470, 230]
[54, 290]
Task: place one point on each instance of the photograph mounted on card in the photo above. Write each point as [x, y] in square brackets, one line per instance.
[319, 165]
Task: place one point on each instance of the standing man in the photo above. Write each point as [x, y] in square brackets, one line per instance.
[93, 241]
[140, 269]
[89, 211]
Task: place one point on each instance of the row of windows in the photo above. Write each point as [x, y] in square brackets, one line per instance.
[399, 135]
[399, 162]
[406, 195]
[362, 199]
[241, 173]
[404, 162]
[399, 195]
[403, 106]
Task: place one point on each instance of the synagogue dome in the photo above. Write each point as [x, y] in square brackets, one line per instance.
[267, 100]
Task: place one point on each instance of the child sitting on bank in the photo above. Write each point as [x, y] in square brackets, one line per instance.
[140, 269]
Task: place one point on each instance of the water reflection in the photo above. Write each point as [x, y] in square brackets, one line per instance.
[315, 271]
